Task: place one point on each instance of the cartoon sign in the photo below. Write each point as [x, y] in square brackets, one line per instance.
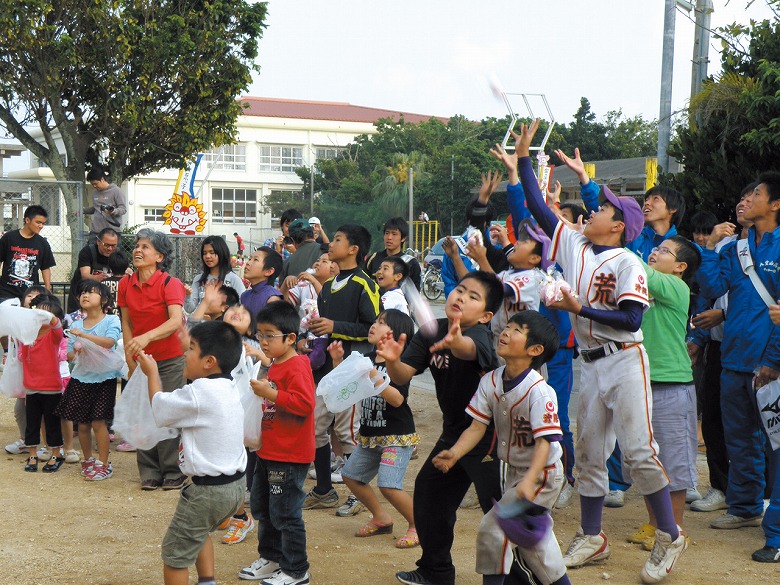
[183, 212]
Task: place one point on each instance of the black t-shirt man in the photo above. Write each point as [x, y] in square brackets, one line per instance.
[23, 257]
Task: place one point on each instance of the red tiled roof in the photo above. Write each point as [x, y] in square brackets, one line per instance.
[310, 110]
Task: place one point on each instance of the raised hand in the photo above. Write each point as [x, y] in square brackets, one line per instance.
[499, 234]
[554, 196]
[336, 351]
[453, 336]
[524, 139]
[720, 231]
[575, 164]
[507, 158]
[450, 247]
[390, 349]
[490, 183]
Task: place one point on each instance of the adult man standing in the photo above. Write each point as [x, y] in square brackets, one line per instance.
[307, 250]
[23, 253]
[108, 204]
[94, 264]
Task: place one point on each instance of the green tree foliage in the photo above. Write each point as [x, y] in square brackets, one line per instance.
[131, 85]
[733, 127]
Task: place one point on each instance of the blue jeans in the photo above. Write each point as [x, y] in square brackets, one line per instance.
[277, 501]
[561, 378]
[744, 444]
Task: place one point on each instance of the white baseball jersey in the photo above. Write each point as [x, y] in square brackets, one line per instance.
[395, 299]
[521, 414]
[600, 281]
[525, 286]
[300, 293]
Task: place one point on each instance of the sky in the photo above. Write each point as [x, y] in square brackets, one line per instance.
[438, 57]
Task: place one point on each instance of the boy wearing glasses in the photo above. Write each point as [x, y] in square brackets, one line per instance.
[285, 454]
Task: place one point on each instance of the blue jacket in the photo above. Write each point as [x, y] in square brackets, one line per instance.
[648, 238]
[750, 340]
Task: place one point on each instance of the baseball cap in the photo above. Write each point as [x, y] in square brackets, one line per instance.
[633, 217]
[538, 234]
[299, 227]
[314, 220]
[523, 522]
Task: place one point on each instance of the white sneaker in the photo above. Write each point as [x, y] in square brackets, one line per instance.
[16, 448]
[282, 578]
[714, 500]
[664, 556]
[691, 495]
[615, 499]
[335, 470]
[730, 521]
[565, 497]
[352, 507]
[260, 569]
[43, 452]
[586, 549]
[312, 473]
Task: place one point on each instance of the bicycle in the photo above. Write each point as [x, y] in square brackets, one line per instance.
[432, 282]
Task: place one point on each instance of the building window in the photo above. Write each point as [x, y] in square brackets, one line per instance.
[234, 205]
[328, 152]
[231, 157]
[154, 214]
[280, 159]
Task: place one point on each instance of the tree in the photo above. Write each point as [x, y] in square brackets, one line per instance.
[129, 85]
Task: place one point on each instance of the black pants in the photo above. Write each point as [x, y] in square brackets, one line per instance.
[712, 419]
[41, 406]
[437, 496]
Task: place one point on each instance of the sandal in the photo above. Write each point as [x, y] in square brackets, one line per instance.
[408, 540]
[53, 464]
[373, 528]
[32, 464]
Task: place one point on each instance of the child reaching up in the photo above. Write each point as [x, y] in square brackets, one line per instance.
[386, 439]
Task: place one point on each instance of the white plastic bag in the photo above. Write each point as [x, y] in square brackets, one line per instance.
[133, 417]
[242, 373]
[12, 380]
[768, 399]
[94, 359]
[253, 419]
[20, 323]
[348, 384]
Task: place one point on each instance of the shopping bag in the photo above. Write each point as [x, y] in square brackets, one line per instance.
[348, 384]
[133, 417]
[242, 373]
[253, 419]
[20, 323]
[768, 399]
[94, 359]
[12, 380]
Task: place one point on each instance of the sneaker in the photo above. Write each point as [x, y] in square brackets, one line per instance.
[352, 507]
[99, 472]
[125, 447]
[565, 497]
[768, 554]
[315, 501]
[615, 499]
[16, 448]
[664, 556]
[650, 543]
[86, 465]
[282, 578]
[691, 495]
[44, 452]
[72, 456]
[238, 530]
[412, 578]
[335, 470]
[641, 535]
[714, 500]
[260, 569]
[312, 473]
[729, 521]
[586, 549]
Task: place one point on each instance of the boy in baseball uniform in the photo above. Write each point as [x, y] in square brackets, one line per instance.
[524, 409]
[609, 296]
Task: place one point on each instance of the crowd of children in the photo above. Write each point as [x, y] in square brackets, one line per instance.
[501, 364]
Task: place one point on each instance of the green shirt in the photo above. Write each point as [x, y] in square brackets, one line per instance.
[664, 327]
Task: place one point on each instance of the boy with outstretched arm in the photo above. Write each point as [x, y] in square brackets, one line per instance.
[211, 449]
[523, 408]
[457, 354]
[608, 298]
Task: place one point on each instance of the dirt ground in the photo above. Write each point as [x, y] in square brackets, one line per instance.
[60, 529]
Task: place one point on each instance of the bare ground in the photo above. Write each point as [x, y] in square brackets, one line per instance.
[59, 529]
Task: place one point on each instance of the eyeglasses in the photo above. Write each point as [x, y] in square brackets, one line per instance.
[261, 337]
[663, 251]
[107, 245]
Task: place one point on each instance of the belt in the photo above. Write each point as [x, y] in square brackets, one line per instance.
[217, 479]
[591, 355]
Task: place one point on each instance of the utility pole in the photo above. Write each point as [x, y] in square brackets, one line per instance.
[667, 71]
[701, 44]
[452, 191]
[411, 208]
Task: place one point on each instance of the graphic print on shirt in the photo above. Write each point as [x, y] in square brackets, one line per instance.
[22, 265]
[604, 293]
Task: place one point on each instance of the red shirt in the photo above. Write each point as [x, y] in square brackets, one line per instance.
[288, 424]
[147, 307]
[41, 362]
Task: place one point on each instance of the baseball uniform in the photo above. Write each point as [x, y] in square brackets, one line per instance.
[525, 295]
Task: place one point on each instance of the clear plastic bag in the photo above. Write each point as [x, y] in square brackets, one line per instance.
[347, 384]
[552, 287]
[94, 359]
[133, 417]
[253, 419]
[12, 380]
[20, 323]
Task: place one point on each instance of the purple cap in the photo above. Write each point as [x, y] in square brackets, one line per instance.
[633, 217]
[523, 522]
[538, 234]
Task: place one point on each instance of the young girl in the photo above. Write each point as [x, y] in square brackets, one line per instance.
[42, 379]
[89, 398]
[386, 439]
[215, 256]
